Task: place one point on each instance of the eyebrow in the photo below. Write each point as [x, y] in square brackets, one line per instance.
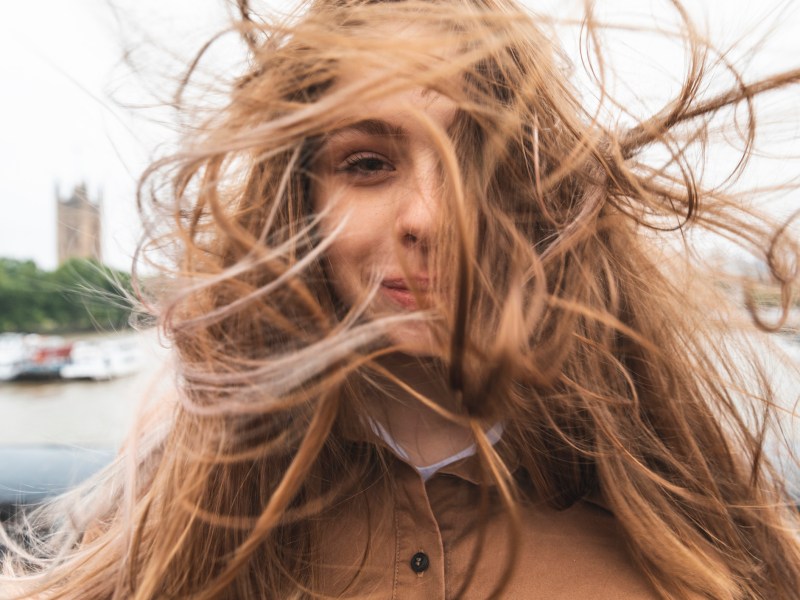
[376, 127]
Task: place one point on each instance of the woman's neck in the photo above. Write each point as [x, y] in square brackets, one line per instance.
[424, 434]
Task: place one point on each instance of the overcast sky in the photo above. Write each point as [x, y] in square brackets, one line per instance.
[63, 75]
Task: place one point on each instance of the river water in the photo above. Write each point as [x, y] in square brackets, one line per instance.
[79, 412]
[98, 413]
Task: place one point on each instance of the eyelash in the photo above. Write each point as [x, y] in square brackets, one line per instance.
[355, 164]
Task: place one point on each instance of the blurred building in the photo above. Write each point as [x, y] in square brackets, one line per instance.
[78, 225]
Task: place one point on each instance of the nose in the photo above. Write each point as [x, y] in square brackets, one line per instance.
[420, 206]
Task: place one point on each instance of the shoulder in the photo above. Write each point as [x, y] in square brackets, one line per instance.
[579, 552]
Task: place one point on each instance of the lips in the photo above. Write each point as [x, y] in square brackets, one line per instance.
[399, 291]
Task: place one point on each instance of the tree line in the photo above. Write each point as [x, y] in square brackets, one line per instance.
[80, 295]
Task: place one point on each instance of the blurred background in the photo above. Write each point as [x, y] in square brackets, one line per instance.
[85, 108]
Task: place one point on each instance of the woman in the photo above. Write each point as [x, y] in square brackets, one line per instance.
[433, 340]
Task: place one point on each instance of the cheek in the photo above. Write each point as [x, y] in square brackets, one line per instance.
[362, 247]
[350, 257]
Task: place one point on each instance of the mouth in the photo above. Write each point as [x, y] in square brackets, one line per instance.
[399, 291]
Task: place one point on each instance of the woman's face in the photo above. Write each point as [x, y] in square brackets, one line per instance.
[378, 179]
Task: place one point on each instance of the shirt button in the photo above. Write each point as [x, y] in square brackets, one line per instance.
[420, 562]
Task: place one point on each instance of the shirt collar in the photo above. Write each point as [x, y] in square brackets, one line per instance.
[456, 464]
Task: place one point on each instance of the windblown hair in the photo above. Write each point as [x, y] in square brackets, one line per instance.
[574, 319]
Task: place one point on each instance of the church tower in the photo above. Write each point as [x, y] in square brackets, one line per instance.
[78, 225]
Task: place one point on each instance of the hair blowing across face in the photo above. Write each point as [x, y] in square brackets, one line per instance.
[562, 310]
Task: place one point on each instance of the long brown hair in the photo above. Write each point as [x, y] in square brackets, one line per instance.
[576, 319]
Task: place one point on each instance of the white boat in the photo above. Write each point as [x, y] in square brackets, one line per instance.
[13, 353]
[32, 356]
[103, 359]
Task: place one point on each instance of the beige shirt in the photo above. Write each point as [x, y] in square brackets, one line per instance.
[413, 539]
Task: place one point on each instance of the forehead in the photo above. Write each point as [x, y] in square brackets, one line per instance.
[406, 113]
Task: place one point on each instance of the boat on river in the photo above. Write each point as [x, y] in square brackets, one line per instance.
[103, 359]
[31, 356]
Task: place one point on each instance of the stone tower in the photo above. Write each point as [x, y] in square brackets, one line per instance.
[78, 225]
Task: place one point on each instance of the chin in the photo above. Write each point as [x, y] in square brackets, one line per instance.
[414, 339]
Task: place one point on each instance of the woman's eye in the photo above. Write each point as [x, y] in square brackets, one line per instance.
[366, 164]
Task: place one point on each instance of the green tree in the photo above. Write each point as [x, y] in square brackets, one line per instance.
[81, 295]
